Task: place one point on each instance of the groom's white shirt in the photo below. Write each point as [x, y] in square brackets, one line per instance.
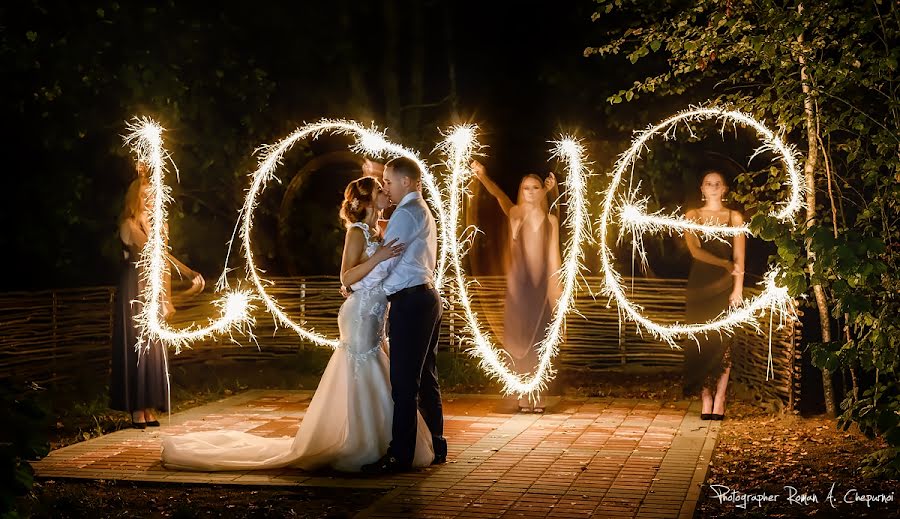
[413, 225]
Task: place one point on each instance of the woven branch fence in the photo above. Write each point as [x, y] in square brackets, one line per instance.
[62, 335]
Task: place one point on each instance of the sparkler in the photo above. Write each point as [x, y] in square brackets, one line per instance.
[635, 220]
[458, 147]
[145, 140]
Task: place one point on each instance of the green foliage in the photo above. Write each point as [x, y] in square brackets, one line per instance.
[749, 55]
[23, 438]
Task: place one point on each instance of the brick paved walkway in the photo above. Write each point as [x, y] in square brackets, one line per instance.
[585, 456]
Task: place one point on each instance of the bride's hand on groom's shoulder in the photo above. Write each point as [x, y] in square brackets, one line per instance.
[388, 250]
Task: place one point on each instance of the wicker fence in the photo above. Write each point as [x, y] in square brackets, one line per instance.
[55, 335]
[59, 335]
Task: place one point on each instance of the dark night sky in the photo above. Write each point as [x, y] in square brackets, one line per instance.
[521, 79]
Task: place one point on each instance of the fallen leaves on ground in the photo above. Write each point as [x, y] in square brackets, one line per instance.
[761, 453]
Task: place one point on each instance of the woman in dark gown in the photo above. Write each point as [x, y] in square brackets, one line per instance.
[716, 281]
[532, 273]
[139, 380]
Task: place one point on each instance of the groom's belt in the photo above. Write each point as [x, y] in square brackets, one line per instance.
[410, 290]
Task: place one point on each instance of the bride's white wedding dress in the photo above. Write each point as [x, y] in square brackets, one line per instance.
[348, 422]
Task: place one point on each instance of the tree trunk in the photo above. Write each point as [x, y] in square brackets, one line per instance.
[834, 219]
[809, 171]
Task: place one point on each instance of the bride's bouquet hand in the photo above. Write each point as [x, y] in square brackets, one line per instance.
[389, 250]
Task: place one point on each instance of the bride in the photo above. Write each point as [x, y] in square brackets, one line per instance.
[348, 422]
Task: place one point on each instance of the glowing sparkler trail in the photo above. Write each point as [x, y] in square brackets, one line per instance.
[145, 139]
[634, 219]
[369, 141]
[458, 147]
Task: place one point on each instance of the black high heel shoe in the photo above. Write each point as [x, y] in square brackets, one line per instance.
[706, 416]
[138, 425]
[717, 417]
[151, 423]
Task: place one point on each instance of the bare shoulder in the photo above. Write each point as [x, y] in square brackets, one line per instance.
[355, 234]
[354, 246]
[691, 214]
[553, 219]
[737, 217]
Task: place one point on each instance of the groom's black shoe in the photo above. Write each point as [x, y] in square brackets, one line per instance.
[386, 465]
[440, 450]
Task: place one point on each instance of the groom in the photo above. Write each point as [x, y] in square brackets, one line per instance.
[414, 319]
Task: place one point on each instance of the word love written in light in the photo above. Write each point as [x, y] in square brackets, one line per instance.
[145, 138]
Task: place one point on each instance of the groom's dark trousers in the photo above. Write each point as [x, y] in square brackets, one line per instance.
[414, 323]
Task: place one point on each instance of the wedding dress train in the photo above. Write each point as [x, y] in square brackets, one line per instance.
[348, 422]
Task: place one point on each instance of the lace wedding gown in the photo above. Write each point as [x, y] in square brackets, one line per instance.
[348, 422]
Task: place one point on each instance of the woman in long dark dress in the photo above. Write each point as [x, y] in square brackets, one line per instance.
[139, 379]
[532, 272]
[716, 281]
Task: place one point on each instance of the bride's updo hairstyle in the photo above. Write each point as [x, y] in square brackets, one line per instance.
[357, 198]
